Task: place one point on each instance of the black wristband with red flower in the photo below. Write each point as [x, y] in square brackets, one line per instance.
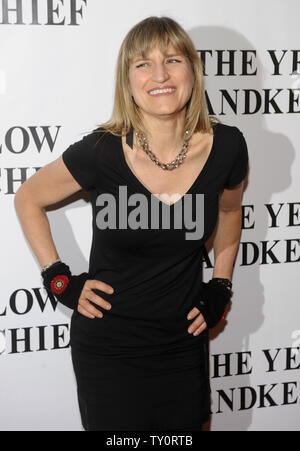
[59, 281]
[213, 300]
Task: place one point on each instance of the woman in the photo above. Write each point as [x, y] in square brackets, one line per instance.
[139, 330]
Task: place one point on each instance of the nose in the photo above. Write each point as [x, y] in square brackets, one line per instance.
[160, 73]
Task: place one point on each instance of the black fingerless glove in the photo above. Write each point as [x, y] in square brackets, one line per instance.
[59, 281]
[214, 298]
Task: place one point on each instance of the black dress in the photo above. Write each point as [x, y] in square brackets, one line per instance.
[138, 368]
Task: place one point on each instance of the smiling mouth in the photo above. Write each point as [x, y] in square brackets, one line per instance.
[162, 92]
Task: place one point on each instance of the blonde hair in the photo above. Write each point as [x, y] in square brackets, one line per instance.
[151, 32]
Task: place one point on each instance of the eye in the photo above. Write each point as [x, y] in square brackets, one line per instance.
[171, 59]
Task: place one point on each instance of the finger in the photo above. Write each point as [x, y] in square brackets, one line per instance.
[195, 324]
[88, 307]
[87, 313]
[193, 313]
[100, 285]
[91, 296]
[200, 329]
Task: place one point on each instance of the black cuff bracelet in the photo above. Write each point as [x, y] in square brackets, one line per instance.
[59, 281]
[214, 298]
[225, 282]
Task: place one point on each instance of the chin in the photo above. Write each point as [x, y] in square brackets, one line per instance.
[164, 110]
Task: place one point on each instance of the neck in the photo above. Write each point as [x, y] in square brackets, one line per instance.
[165, 135]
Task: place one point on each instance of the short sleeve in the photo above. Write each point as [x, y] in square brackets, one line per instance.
[81, 160]
[240, 163]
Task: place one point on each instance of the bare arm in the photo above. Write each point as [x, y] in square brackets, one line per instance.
[228, 232]
[49, 185]
[226, 243]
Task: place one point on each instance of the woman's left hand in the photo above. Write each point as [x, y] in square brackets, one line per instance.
[199, 324]
[213, 300]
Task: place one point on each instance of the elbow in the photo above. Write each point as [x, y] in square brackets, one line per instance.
[18, 200]
[21, 196]
[17, 196]
[25, 198]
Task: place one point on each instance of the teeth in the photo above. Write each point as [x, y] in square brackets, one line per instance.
[161, 91]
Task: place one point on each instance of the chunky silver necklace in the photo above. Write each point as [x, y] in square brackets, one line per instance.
[173, 164]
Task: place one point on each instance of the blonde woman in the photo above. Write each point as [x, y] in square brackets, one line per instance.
[163, 176]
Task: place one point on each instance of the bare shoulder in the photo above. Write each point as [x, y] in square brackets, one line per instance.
[200, 145]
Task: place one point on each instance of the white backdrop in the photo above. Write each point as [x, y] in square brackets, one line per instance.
[56, 84]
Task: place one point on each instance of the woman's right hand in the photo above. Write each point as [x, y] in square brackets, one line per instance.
[85, 307]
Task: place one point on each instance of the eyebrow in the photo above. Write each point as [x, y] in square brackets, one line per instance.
[168, 55]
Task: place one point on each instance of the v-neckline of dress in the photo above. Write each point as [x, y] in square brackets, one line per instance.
[201, 174]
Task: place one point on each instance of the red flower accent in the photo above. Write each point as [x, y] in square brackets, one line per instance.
[223, 317]
[59, 283]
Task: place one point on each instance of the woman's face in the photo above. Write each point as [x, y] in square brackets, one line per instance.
[159, 71]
